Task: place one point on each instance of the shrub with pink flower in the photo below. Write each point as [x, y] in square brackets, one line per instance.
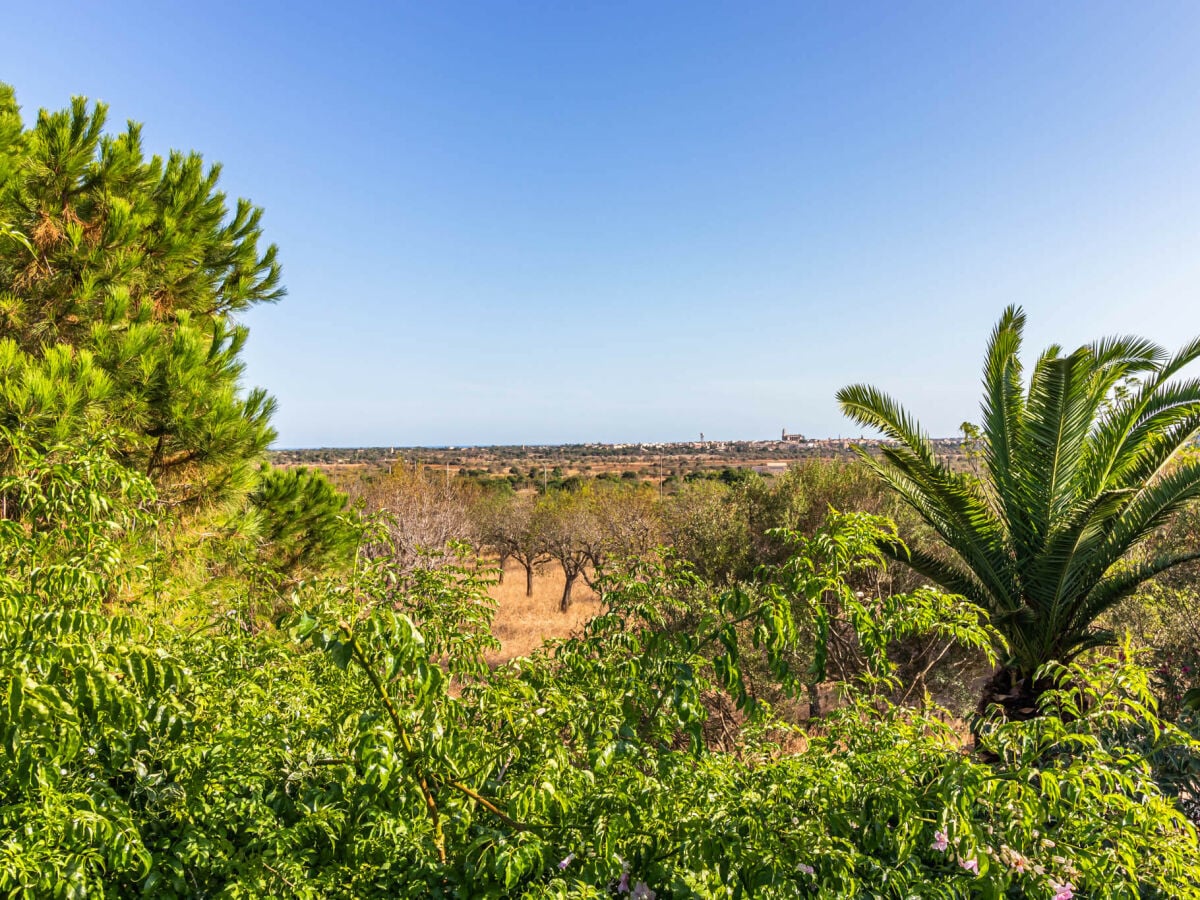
[623, 882]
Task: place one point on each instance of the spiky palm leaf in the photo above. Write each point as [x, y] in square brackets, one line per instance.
[1078, 473]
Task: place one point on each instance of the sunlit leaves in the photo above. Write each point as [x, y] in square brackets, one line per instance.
[363, 750]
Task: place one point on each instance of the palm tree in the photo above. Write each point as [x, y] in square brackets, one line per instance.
[1078, 470]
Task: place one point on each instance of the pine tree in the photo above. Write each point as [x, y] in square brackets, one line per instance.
[133, 270]
[301, 521]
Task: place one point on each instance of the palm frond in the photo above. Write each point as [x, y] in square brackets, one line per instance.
[1157, 441]
[1118, 586]
[948, 501]
[1149, 508]
[954, 578]
[1058, 571]
[1117, 437]
[1060, 410]
[1130, 354]
[873, 408]
[1003, 411]
[1087, 640]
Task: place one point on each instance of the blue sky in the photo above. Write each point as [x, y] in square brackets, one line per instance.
[558, 222]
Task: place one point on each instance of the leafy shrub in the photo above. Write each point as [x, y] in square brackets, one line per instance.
[366, 751]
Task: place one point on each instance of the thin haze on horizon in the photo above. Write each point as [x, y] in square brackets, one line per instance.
[563, 223]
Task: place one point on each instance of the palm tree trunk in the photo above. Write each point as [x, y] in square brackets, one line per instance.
[1016, 694]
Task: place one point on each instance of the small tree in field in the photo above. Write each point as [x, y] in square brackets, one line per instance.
[571, 534]
[488, 514]
[628, 521]
[704, 525]
[508, 525]
[526, 541]
[421, 512]
[1077, 473]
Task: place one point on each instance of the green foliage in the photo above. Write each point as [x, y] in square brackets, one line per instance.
[1077, 474]
[86, 693]
[119, 278]
[707, 526]
[367, 751]
[88, 700]
[1163, 617]
[301, 522]
[817, 574]
[729, 530]
[66, 513]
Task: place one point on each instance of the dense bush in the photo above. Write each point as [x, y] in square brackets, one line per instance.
[363, 750]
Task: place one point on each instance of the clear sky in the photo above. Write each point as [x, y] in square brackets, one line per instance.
[575, 221]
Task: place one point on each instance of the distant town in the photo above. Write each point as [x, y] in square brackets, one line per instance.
[765, 456]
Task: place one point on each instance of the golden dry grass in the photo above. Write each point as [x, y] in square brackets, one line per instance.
[522, 623]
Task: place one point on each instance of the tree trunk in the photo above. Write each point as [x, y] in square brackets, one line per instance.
[528, 579]
[814, 700]
[1015, 693]
[565, 604]
[1011, 694]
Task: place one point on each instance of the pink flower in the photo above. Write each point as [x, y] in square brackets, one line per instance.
[940, 841]
[1062, 891]
[570, 858]
[807, 870]
[972, 866]
[641, 892]
[623, 884]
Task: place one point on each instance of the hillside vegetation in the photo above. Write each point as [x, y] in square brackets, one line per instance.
[224, 679]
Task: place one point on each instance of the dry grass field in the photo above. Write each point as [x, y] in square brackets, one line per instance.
[522, 623]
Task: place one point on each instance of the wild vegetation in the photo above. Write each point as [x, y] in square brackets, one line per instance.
[224, 679]
[1079, 470]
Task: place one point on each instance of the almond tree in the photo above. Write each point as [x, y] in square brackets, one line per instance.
[571, 535]
[420, 512]
[628, 522]
[508, 525]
